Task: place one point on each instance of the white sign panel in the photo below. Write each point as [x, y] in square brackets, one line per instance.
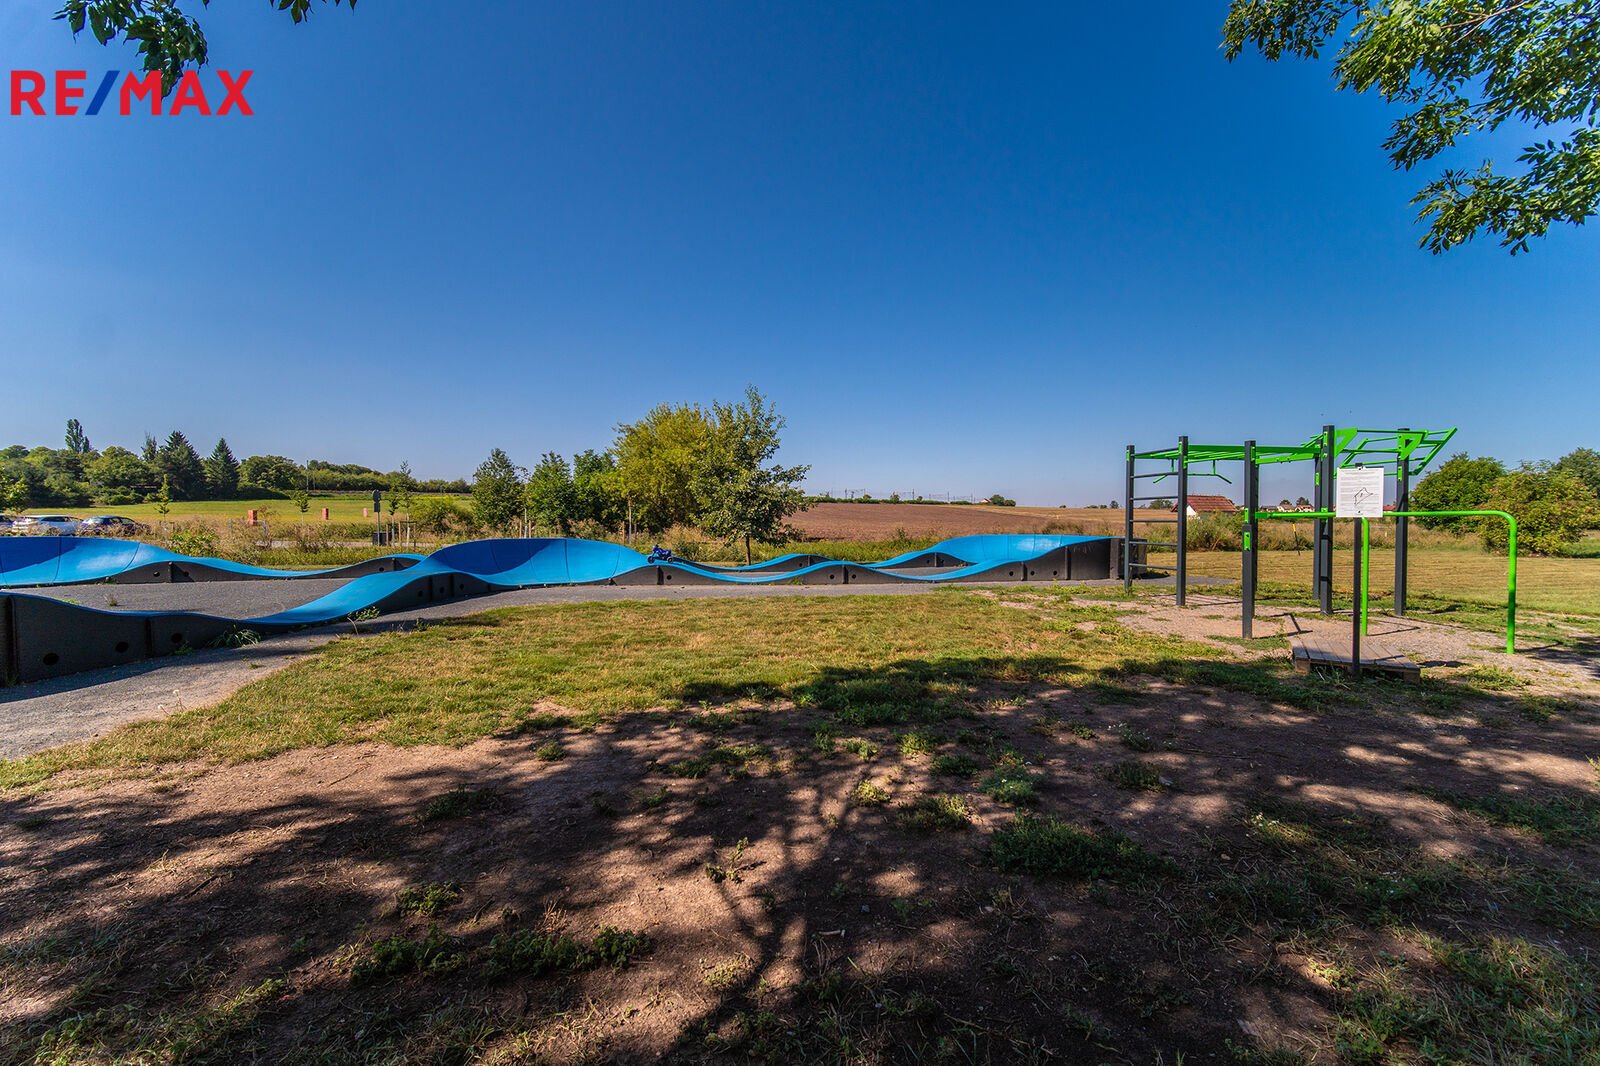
[1359, 492]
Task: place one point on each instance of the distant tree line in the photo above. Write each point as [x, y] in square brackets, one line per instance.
[684, 465]
[79, 475]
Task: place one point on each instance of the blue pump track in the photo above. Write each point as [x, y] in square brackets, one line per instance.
[82, 638]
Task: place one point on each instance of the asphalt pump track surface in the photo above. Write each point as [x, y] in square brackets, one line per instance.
[44, 635]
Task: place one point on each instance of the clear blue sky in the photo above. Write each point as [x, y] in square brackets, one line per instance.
[964, 248]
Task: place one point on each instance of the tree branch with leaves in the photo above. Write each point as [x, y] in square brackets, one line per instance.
[1462, 67]
[169, 40]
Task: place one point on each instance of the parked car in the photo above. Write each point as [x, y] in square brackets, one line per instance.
[113, 525]
[59, 525]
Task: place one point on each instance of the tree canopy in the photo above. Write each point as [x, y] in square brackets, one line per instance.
[1460, 484]
[1462, 67]
[169, 40]
[497, 491]
[739, 495]
[657, 460]
[1552, 509]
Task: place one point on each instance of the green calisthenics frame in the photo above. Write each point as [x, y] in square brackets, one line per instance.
[1362, 594]
[1401, 452]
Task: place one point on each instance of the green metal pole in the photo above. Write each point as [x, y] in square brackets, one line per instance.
[1511, 588]
[1365, 574]
[1511, 550]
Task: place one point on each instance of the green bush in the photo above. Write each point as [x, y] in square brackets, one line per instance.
[1552, 510]
[439, 515]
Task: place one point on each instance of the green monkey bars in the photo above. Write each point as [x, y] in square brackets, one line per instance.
[1400, 452]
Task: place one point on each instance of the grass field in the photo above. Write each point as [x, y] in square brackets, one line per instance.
[967, 826]
[340, 508]
[1465, 573]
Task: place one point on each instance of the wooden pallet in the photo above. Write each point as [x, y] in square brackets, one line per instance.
[1310, 651]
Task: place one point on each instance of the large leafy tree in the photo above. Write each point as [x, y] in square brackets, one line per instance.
[744, 495]
[1461, 67]
[118, 476]
[595, 489]
[1461, 484]
[657, 460]
[497, 492]
[169, 40]
[1552, 509]
[270, 471]
[552, 498]
[1583, 464]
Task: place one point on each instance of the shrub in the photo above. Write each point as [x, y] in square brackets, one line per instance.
[1460, 484]
[439, 515]
[194, 539]
[1552, 510]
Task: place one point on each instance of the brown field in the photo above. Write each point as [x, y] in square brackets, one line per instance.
[883, 521]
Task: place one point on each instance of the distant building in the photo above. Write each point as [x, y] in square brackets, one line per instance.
[1199, 505]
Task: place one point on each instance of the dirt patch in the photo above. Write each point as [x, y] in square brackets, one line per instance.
[788, 898]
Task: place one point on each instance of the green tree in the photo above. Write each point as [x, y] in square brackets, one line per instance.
[222, 471]
[77, 440]
[402, 486]
[551, 496]
[169, 40]
[163, 498]
[149, 450]
[116, 476]
[596, 490]
[497, 492]
[13, 493]
[1552, 509]
[302, 501]
[1583, 464]
[270, 471]
[741, 496]
[658, 458]
[180, 464]
[1461, 67]
[1461, 484]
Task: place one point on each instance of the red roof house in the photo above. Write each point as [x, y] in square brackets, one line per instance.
[1199, 505]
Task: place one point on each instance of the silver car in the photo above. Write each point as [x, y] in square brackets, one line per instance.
[58, 525]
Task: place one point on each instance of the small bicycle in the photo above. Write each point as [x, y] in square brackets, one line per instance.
[658, 554]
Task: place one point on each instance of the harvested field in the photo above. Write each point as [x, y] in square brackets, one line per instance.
[1024, 824]
[883, 521]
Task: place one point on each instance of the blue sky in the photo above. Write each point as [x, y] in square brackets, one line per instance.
[964, 248]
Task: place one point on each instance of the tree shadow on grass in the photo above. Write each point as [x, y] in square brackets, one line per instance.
[793, 915]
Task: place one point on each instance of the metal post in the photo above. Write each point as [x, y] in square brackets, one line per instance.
[1182, 571]
[1324, 535]
[1127, 530]
[1366, 571]
[1252, 503]
[1402, 525]
[1355, 612]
